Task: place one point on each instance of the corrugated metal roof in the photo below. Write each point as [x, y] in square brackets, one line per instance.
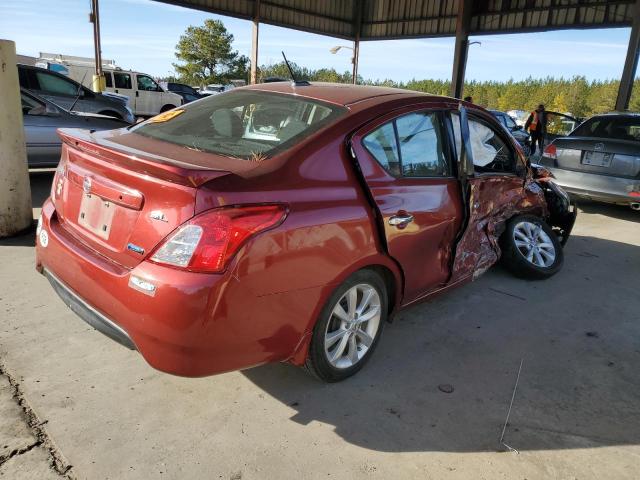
[386, 19]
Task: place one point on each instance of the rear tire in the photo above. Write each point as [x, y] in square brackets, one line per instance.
[349, 327]
[530, 249]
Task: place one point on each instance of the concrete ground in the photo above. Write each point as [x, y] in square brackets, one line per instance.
[75, 404]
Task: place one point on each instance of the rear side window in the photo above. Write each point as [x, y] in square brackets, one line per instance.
[249, 124]
[107, 78]
[55, 85]
[122, 80]
[410, 146]
[382, 144]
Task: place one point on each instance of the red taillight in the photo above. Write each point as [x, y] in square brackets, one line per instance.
[634, 194]
[210, 240]
[550, 151]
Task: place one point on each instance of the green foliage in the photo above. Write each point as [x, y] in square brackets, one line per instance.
[206, 55]
[577, 96]
[280, 70]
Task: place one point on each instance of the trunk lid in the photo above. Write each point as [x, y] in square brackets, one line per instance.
[602, 156]
[120, 201]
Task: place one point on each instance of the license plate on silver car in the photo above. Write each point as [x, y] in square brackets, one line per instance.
[596, 159]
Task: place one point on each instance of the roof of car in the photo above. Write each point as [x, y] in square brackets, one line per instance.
[618, 114]
[336, 93]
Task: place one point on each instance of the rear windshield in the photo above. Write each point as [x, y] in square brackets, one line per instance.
[248, 125]
[619, 128]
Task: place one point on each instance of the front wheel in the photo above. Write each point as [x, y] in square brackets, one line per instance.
[349, 327]
[530, 249]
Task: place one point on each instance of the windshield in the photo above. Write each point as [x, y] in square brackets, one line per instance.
[619, 128]
[245, 124]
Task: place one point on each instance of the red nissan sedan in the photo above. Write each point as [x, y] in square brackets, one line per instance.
[288, 222]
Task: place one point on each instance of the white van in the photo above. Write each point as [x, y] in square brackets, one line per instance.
[146, 97]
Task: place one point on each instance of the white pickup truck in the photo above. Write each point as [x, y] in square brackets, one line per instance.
[146, 97]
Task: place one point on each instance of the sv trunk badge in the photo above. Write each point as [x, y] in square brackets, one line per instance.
[135, 248]
[158, 215]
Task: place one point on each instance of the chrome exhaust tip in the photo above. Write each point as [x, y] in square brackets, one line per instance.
[635, 206]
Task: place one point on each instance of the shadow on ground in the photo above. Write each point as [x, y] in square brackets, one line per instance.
[621, 212]
[579, 384]
[40, 188]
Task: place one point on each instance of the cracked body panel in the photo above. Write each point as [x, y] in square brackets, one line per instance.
[493, 201]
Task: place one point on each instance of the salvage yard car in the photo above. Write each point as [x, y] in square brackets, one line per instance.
[42, 119]
[600, 159]
[288, 222]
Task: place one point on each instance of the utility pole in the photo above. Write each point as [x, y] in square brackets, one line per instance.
[254, 44]
[99, 83]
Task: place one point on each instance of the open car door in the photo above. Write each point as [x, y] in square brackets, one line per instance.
[559, 125]
[494, 185]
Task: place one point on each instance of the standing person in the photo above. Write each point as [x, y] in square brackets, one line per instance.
[537, 126]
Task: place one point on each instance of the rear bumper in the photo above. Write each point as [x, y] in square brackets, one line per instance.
[604, 188]
[89, 314]
[193, 325]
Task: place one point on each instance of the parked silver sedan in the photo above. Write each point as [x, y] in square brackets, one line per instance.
[600, 159]
[41, 120]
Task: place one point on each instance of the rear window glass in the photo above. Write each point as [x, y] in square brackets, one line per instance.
[619, 128]
[246, 124]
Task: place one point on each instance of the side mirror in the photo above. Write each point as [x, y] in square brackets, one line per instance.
[44, 110]
[521, 169]
[37, 111]
[517, 127]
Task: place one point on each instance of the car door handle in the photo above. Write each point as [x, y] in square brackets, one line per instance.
[137, 93]
[401, 220]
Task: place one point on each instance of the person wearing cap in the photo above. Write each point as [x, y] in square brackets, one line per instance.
[537, 126]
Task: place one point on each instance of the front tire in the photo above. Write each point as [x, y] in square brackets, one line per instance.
[166, 108]
[349, 327]
[530, 249]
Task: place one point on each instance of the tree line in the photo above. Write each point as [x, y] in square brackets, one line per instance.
[576, 95]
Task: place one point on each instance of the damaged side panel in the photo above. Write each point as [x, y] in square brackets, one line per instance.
[492, 202]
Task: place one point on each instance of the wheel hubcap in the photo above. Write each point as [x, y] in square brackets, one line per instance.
[534, 244]
[353, 325]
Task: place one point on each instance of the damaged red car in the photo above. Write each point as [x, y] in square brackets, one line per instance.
[289, 222]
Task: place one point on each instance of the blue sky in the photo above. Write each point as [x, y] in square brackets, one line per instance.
[141, 35]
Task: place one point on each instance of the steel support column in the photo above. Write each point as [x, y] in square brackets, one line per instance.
[98, 77]
[358, 5]
[630, 63]
[254, 43]
[463, 24]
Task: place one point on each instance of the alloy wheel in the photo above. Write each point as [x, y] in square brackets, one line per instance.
[534, 244]
[353, 326]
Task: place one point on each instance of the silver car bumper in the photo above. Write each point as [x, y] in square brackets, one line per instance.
[605, 188]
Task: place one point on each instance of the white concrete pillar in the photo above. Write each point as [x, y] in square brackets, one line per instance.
[15, 190]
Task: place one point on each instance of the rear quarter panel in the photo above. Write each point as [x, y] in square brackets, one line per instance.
[290, 271]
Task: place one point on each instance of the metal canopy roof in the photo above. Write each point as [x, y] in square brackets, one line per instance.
[389, 19]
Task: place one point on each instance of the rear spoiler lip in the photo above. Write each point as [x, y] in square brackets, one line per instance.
[165, 168]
